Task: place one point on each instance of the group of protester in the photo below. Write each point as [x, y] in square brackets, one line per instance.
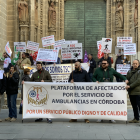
[104, 73]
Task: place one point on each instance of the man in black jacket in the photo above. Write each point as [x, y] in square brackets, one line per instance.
[2, 87]
[12, 90]
[92, 65]
[79, 75]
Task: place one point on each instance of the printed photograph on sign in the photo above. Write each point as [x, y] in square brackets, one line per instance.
[71, 51]
[119, 50]
[123, 40]
[20, 46]
[130, 49]
[106, 45]
[48, 41]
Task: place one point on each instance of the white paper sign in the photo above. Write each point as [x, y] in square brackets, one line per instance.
[106, 45]
[1, 74]
[48, 41]
[119, 50]
[8, 49]
[47, 55]
[75, 100]
[58, 44]
[32, 46]
[123, 69]
[130, 49]
[20, 46]
[71, 41]
[123, 40]
[71, 51]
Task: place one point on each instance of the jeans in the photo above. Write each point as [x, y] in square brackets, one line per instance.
[90, 76]
[11, 101]
[134, 99]
[20, 76]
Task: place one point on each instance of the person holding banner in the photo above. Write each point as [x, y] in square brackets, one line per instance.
[41, 75]
[7, 62]
[133, 88]
[79, 75]
[106, 74]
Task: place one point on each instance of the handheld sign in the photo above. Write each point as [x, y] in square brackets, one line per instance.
[71, 51]
[58, 44]
[32, 46]
[123, 69]
[48, 41]
[123, 40]
[130, 49]
[19, 46]
[106, 45]
[7, 49]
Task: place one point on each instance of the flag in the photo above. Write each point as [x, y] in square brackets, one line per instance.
[85, 57]
[100, 53]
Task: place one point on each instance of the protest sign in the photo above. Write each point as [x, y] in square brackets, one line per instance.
[20, 46]
[123, 40]
[47, 55]
[100, 53]
[48, 41]
[58, 44]
[130, 49]
[71, 41]
[119, 50]
[1, 74]
[71, 51]
[75, 100]
[32, 46]
[59, 72]
[123, 69]
[106, 45]
[8, 49]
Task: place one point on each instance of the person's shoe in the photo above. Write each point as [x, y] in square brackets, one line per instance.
[86, 121]
[99, 121]
[0, 120]
[134, 121]
[13, 119]
[39, 120]
[73, 120]
[8, 119]
[112, 121]
[49, 121]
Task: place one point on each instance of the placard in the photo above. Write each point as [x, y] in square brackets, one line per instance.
[58, 44]
[106, 45]
[123, 40]
[32, 46]
[123, 69]
[71, 41]
[71, 51]
[130, 49]
[20, 46]
[47, 55]
[8, 49]
[48, 41]
[119, 50]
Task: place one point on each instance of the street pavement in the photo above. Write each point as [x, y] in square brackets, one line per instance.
[62, 129]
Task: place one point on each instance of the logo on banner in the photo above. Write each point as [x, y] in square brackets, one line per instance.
[37, 96]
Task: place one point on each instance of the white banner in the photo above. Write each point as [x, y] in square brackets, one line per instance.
[32, 46]
[130, 49]
[48, 41]
[47, 55]
[8, 49]
[71, 51]
[123, 69]
[107, 101]
[20, 46]
[106, 45]
[123, 40]
[60, 72]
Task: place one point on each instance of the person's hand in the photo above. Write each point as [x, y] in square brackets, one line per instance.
[22, 82]
[72, 81]
[11, 75]
[4, 74]
[97, 82]
[99, 66]
[23, 65]
[19, 61]
[88, 64]
[42, 80]
[54, 64]
[124, 63]
[127, 87]
[126, 81]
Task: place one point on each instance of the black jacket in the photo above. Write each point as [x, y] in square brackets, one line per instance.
[92, 65]
[79, 76]
[109, 60]
[2, 85]
[12, 84]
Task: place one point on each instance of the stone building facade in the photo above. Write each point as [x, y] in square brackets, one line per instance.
[84, 20]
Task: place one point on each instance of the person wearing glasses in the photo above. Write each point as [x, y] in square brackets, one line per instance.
[106, 74]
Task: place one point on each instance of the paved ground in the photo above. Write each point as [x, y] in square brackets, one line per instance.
[62, 129]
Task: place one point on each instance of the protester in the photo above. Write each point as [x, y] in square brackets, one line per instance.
[24, 78]
[92, 64]
[41, 75]
[133, 87]
[105, 57]
[30, 58]
[7, 62]
[79, 75]
[106, 74]
[12, 90]
[23, 62]
[2, 87]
